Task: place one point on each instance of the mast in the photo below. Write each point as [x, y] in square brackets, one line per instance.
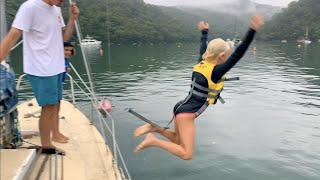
[3, 27]
[77, 27]
[235, 28]
[307, 33]
[3, 22]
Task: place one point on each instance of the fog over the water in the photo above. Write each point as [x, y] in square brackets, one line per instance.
[204, 2]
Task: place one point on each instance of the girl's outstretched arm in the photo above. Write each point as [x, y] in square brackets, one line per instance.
[221, 69]
[204, 28]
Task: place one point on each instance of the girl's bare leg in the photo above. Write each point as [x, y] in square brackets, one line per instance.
[176, 129]
[186, 129]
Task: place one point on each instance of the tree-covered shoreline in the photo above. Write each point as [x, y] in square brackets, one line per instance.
[136, 21]
[292, 22]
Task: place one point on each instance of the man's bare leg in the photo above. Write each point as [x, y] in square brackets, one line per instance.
[45, 125]
[60, 134]
[57, 136]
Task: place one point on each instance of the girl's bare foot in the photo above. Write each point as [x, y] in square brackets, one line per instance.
[144, 129]
[147, 142]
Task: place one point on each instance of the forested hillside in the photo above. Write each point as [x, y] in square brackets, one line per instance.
[131, 20]
[136, 21]
[127, 20]
[291, 23]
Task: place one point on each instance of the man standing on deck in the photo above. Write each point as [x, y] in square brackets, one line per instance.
[43, 29]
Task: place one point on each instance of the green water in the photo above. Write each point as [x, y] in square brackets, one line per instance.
[268, 129]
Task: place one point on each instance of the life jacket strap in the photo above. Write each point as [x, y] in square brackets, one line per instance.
[221, 100]
[198, 86]
[229, 79]
[202, 109]
[204, 95]
[200, 94]
[143, 118]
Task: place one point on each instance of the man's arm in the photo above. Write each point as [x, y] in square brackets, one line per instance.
[73, 15]
[8, 42]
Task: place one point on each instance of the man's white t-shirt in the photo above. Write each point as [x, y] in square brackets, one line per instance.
[43, 53]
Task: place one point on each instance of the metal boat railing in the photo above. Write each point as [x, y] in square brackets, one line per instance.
[103, 125]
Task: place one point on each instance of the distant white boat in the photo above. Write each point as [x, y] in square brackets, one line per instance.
[90, 41]
[306, 39]
[284, 41]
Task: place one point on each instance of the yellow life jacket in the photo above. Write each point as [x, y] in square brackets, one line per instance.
[214, 89]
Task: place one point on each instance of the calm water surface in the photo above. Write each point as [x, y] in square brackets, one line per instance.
[268, 129]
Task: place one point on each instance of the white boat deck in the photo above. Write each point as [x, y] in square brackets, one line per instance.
[87, 156]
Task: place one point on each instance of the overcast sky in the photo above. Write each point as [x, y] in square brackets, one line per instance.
[197, 2]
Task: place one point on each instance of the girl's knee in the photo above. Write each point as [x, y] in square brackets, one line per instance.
[187, 156]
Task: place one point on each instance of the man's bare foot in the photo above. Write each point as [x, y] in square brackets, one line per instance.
[63, 136]
[58, 135]
[147, 142]
[59, 140]
[144, 129]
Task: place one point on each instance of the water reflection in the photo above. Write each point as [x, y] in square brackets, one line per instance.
[268, 129]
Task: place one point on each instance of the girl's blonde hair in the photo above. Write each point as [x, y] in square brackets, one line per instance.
[217, 46]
